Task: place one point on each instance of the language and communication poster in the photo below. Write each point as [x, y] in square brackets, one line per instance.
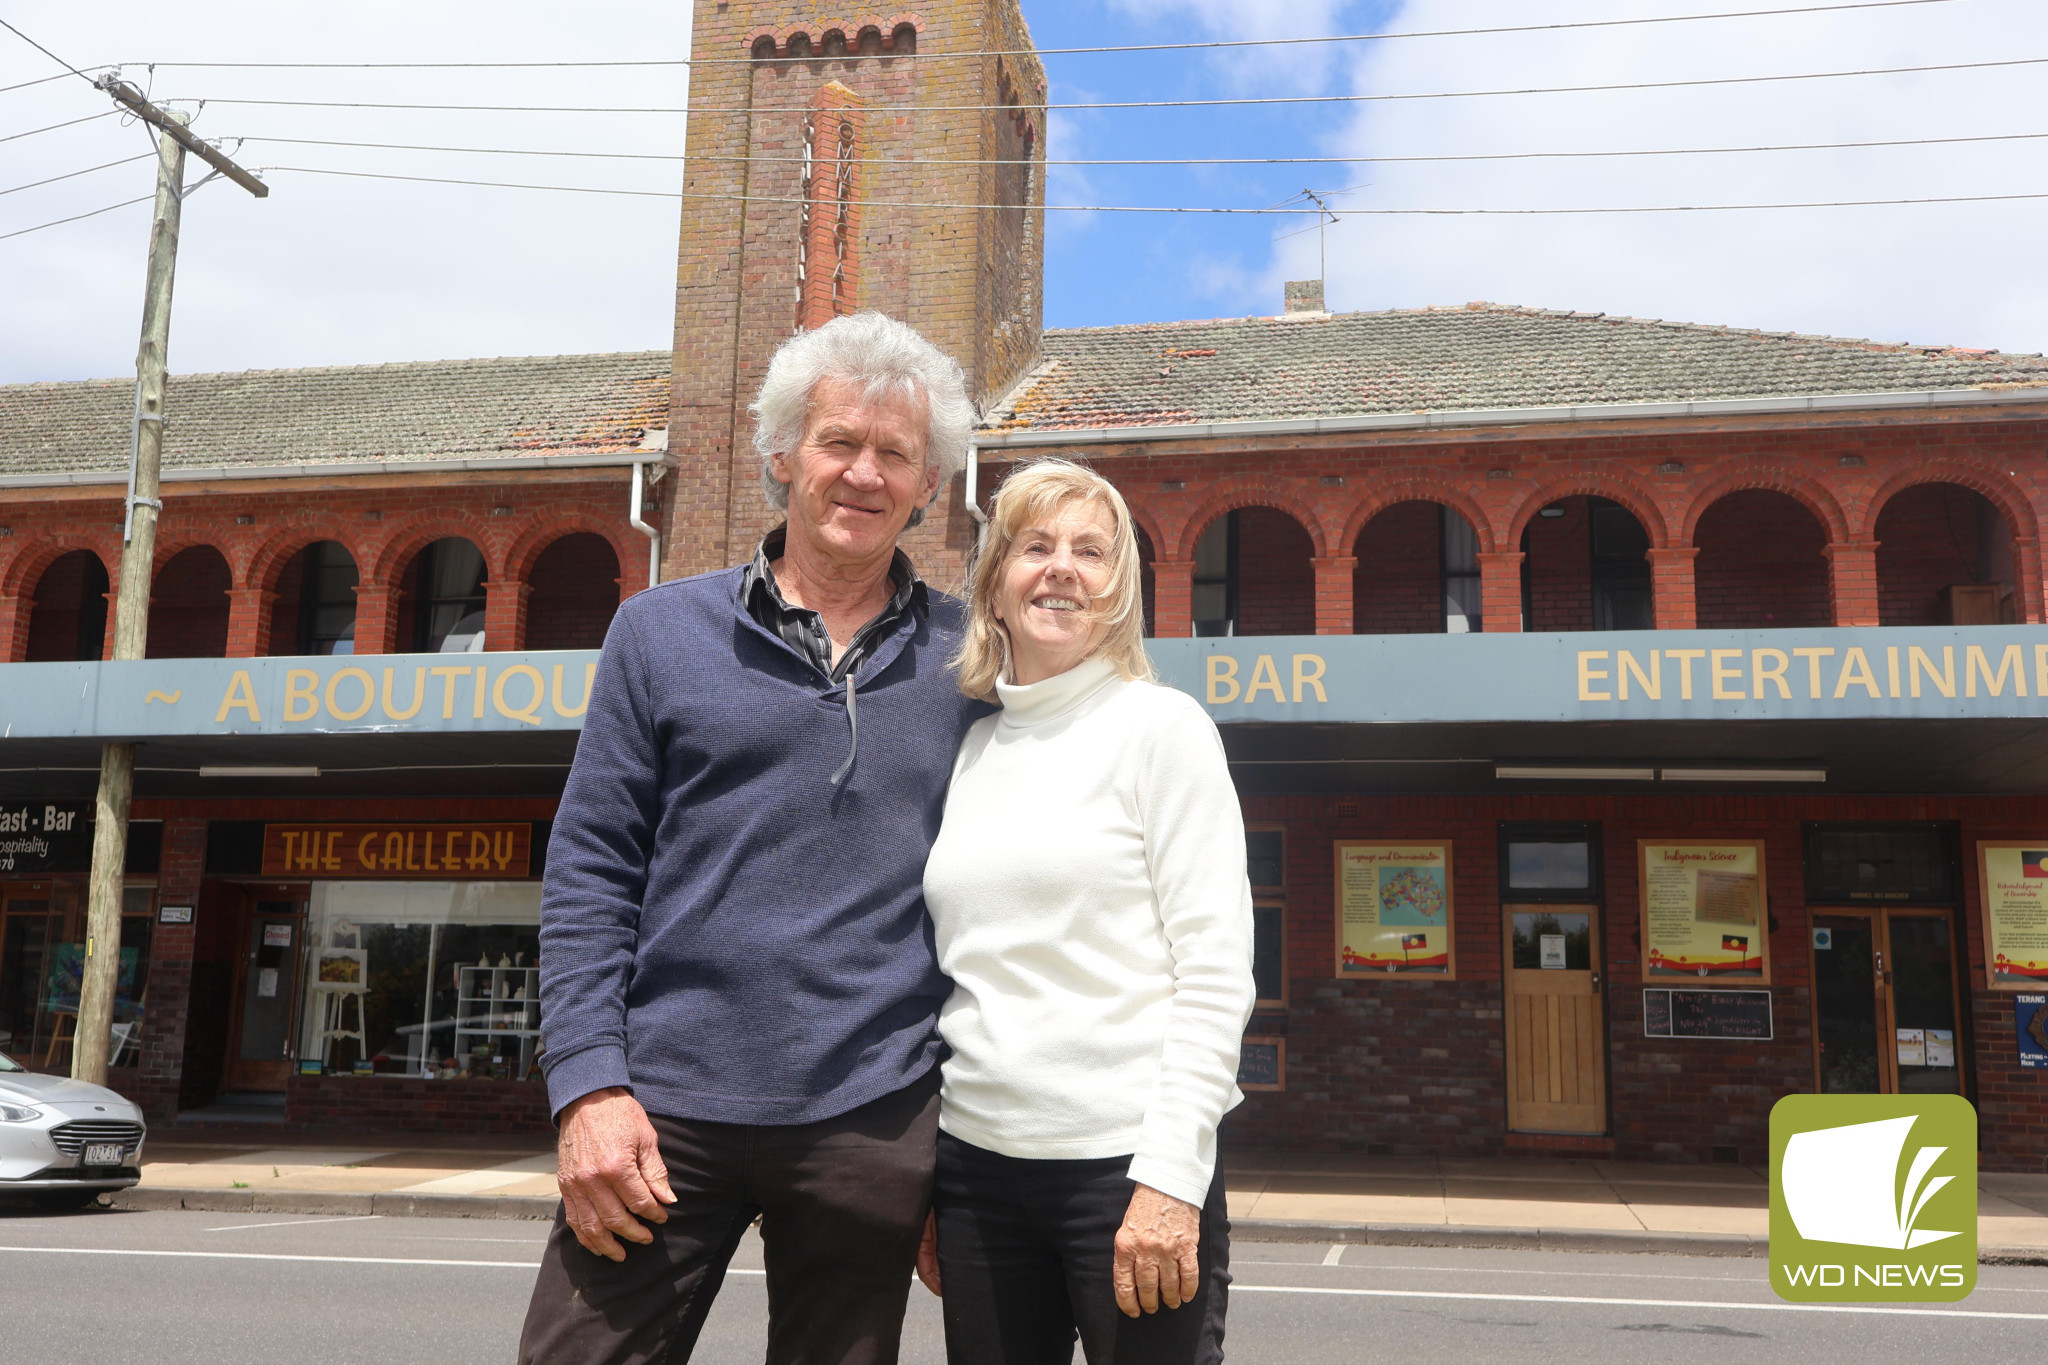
[1394, 910]
[2015, 881]
[1705, 911]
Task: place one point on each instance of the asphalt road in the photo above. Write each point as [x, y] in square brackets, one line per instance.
[222, 1289]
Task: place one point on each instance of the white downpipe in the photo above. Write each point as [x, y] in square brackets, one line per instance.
[653, 535]
[974, 496]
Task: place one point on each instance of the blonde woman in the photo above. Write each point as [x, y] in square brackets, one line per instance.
[1089, 897]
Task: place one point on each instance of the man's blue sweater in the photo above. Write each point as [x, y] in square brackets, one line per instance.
[724, 930]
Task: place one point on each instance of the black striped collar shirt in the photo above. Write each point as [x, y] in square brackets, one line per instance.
[803, 629]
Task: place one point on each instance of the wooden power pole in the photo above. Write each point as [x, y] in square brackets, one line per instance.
[102, 973]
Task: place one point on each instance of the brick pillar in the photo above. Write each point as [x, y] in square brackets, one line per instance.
[113, 594]
[162, 1068]
[1173, 598]
[505, 613]
[1673, 589]
[1500, 589]
[15, 612]
[1852, 574]
[2026, 560]
[1334, 579]
[249, 612]
[376, 618]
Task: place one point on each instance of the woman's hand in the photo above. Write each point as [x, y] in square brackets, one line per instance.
[928, 1254]
[1155, 1252]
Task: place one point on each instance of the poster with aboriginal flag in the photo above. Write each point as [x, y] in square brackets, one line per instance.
[1705, 912]
[1394, 910]
[2014, 878]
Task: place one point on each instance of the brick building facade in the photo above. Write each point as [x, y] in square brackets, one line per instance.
[1538, 481]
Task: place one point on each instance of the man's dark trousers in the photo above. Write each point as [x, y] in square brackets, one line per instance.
[842, 1205]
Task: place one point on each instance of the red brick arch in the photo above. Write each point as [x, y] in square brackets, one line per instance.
[1145, 519]
[1813, 496]
[412, 535]
[1979, 476]
[268, 560]
[1420, 488]
[169, 548]
[630, 547]
[1252, 491]
[21, 573]
[1604, 484]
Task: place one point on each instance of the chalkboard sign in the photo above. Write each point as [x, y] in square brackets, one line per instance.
[1262, 1064]
[1707, 1014]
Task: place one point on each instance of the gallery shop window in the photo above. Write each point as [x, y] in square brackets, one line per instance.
[433, 979]
[42, 969]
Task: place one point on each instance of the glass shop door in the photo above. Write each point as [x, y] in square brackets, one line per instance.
[1886, 1002]
[266, 996]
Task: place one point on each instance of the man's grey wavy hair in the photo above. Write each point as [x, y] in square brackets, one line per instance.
[881, 355]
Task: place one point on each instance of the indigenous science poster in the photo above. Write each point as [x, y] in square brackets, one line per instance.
[2014, 878]
[1394, 910]
[1705, 911]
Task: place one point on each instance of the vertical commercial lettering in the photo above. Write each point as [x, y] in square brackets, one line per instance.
[1265, 678]
[1944, 681]
[1308, 672]
[301, 685]
[1652, 683]
[1222, 674]
[1685, 657]
[1588, 675]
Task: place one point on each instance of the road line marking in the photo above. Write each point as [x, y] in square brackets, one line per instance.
[1335, 1255]
[295, 1223]
[323, 1260]
[1639, 1303]
[1565, 1274]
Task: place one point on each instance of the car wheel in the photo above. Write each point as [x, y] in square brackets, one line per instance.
[67, 1199]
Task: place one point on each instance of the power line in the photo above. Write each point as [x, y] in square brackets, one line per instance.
[1184, 161]
[72, 175]
[1159, 104]
[1163, 208]
[58, 222]
[40, 80]
[45, 51]
[68, 123]
[1067, 51]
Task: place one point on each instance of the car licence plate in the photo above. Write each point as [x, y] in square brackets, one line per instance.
[103, 1154]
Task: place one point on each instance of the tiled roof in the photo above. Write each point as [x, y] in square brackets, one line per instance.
[412, 412]
[1481, 356]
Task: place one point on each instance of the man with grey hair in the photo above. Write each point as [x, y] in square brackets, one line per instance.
[738, 984]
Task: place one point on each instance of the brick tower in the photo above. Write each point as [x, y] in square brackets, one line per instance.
[827, 150]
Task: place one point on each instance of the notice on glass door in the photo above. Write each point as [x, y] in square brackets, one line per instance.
[2014, 877]
[1705, 913]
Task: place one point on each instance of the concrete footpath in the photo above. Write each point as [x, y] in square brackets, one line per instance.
[1552, 1204]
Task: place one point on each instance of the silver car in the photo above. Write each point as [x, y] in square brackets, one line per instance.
[63, 1143]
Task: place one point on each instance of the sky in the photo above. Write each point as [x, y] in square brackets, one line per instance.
[330, 270]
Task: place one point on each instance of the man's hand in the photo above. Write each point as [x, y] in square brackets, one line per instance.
[928, 1254]
[1155, 1253]
[609, 1168]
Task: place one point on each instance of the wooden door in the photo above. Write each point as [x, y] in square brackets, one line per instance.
[1556, 1027]
[1886, 1006]
[267, 983]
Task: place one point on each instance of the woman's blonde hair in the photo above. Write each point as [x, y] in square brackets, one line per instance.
[1032, 496]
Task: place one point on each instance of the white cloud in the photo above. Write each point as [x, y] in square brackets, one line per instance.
[1953, 274]
[330, 270]
[1293, 69]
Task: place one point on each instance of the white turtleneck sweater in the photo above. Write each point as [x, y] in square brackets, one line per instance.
[1089, 896]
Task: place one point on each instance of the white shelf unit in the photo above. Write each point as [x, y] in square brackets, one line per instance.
[488, 1011]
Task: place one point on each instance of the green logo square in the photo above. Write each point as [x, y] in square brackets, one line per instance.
[1873, 1198]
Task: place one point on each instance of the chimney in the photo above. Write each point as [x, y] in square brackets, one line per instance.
[1304, 296]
